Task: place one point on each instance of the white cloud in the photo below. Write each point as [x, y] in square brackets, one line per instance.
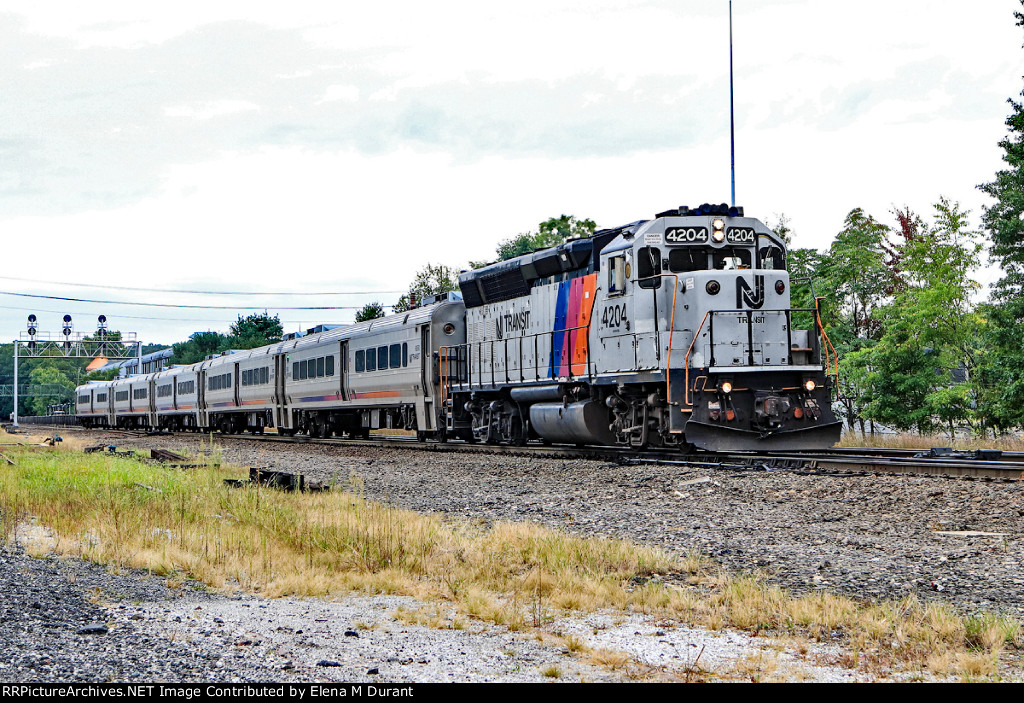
[211, 109]
[344, 93]
[327, 144]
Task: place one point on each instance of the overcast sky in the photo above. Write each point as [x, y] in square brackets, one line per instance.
[314, 147]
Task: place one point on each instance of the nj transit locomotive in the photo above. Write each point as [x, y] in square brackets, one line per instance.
[674, 332]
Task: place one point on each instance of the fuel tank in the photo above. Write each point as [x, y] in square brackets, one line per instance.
[585, 422]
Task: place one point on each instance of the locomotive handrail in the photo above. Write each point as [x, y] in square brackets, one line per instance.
[446, 358]
[788, 312]
[686, 362]
[828, 342]
[671, 329]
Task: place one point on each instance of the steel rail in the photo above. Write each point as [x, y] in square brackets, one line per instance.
[842, 460]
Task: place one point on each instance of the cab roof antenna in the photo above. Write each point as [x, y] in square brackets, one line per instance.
[732, 112]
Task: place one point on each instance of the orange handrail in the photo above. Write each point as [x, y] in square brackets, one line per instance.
[686, 394]
[828, 342]
[671, 329]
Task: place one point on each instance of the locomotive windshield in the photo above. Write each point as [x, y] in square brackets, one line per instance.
[731, 259]
[770, 256]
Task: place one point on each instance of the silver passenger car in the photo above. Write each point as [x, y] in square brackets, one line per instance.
[382, 373]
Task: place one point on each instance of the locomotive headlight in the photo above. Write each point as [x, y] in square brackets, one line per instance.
[719, 226]
[726, 387]
[810, 385]
[713, 287]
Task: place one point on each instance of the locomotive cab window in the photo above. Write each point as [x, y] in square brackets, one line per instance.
[687, 259]
[617, 275]
[648, 267]
[771, 257]
[732, 259]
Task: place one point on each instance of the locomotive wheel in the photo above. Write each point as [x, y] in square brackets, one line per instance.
[421, 436]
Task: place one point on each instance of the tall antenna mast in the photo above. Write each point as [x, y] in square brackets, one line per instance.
[732, 112]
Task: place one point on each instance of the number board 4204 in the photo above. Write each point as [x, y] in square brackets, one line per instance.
[740, 235]
[686, 235]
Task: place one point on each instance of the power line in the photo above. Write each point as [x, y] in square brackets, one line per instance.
[197, 292]
[189, 307]
[159, 319]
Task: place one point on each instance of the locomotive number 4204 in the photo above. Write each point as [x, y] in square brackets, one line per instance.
[614, 316]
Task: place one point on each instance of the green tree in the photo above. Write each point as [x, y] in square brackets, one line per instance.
[198, 346]
[48, 375]
[432, 279]
[938, 271]
[551, 232]
[370, 311]
[920, 370]
[857, 275]
[565, 227]
[857, 272]
[1001, 376]
[256, 330]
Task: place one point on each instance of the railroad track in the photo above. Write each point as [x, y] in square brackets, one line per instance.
[840, 461]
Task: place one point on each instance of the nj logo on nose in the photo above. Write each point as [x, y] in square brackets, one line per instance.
[746, 296]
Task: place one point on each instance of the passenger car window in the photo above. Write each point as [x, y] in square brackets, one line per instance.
[360, 367]
[382, 358]
[330, 366]
[371, 359]
[405, 353]
[395, 354]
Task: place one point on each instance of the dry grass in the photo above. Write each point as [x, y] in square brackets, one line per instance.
[1008, 443]
[188, 524]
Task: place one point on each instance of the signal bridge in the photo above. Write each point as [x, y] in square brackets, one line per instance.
[68, 344]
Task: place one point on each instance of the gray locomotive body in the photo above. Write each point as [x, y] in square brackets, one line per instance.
[676, 331]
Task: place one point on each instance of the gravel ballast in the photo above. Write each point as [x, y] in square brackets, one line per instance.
[868, 537]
